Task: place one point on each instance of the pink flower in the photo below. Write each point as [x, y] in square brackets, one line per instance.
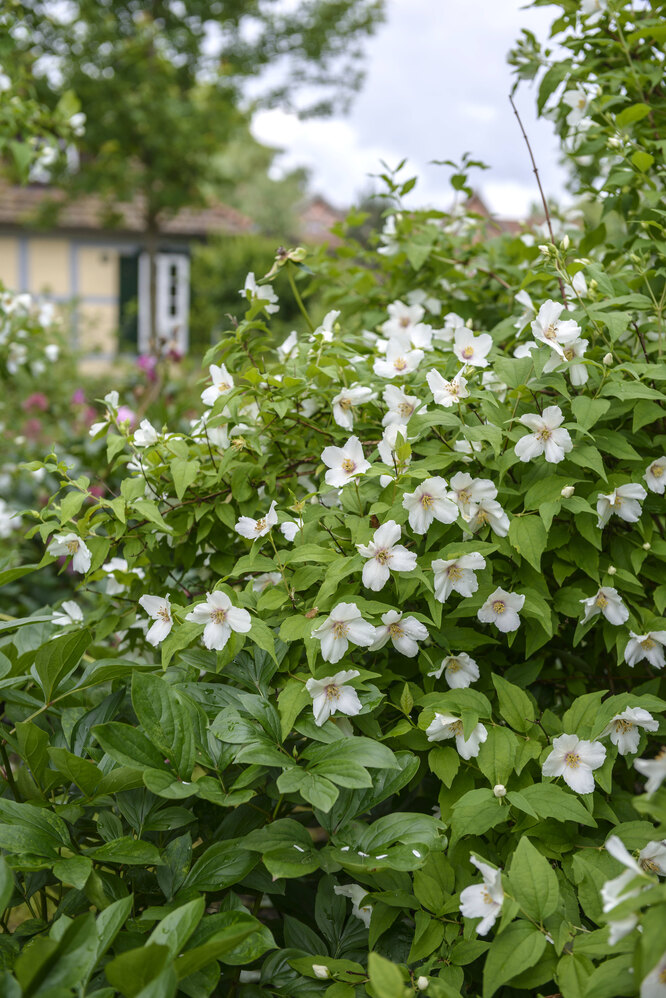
[35, 401]
[148, 365]
[79, 397]
[125, 414]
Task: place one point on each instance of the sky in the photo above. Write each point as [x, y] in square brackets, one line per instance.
[437, 85]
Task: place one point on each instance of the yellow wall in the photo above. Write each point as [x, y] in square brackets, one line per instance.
[98, 271]
[48, 266]
[9, 257]
[97, 327]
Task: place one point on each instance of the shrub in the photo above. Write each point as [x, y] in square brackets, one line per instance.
[371, 700]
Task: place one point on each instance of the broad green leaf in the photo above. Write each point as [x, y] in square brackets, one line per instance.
[520, 946]
[533, 881]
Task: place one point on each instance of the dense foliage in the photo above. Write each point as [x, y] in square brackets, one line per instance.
[362, 690]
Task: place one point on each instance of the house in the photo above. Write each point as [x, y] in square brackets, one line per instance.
[317, 217]
[99, 271]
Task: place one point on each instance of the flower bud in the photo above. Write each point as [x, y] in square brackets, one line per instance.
[608, 359]
[422, 983]
[544, 249]
[319, 970]
[499, 790]
[567, 491]
[647, 546]
[564, 245]
[612, 569]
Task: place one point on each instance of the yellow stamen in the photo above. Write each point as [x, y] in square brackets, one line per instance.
[499, 606]
[572, 759]
[348, 465]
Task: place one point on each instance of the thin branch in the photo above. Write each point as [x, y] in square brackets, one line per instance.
[641, 340]
[543, 196]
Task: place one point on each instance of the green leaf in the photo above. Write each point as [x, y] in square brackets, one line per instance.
[291, 701]
[128, 746]
[130, 972]
[528, 536]
[631, 114]
[59, 657]
[385, 977]
[588, 411]
[221, 865]
[184, 473]
[176, 928]
[497, 755]
[127, 852]
[216, 948]
[533, 881]
[514, 704]
[551, 801]
[6, 884]
[520, 946]
[166, 716]
[642, 160]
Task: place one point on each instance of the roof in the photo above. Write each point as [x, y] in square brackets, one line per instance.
[20, 207]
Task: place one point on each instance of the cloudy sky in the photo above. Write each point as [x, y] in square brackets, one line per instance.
[436, 86]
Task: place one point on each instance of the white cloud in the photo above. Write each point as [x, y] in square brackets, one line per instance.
[437, 85]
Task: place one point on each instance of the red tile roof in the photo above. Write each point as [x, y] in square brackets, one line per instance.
[20, 207]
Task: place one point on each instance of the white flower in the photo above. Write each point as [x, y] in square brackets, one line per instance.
[146, 434]
[403, 632]
[546, 438]
[471, 349]
[572, 361]
[654, 769]
[525, 349]
[264, 293]
[356, 894]
[289, 529]
[490, 381]
[489, 512]
[344, 402]
[549, 329]
[5, 82]
[9, 520]
[593, 6]
[387, 445]
[111, 399]
[624, 501]
[579, 285]
[222, 384]
[266, 579]
[428, 502]
[452, 322]
[326, 328]
[52, 351]
[221, 617]
[459, 670]
[652, 858]
[608, 602]
[653, 984]
[446, 726]
[321, 971]
[344, 463]
[614, 892]
[69, 613]
[344, 624]
[502, 609]
[288, 347]
[405, 326]
[330, 695]
[159, 608]
[384, 556]
[528, 313]
[113, 587]
[457, 575]
[655, 476]
[447, 393]
[398, 361]
[484, 900]
[649, 646]
[400, 406]
[578, 100]
[467, 491]
[71, 544]
[247, 527]
[624, 728]
[575, 760]
[420, 297]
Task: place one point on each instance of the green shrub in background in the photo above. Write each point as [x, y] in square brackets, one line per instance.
[367, 696]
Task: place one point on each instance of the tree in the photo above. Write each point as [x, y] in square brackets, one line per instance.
[161, 85]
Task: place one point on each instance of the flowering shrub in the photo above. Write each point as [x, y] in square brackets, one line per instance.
[367, 697]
